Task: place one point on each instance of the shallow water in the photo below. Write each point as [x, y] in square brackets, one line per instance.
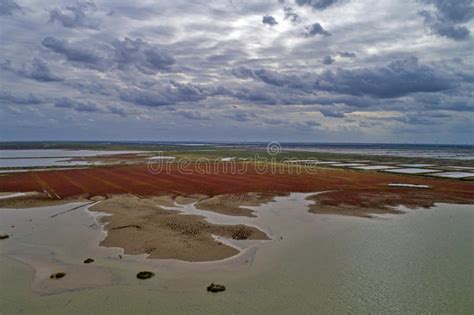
[50, 157]
[420, 261]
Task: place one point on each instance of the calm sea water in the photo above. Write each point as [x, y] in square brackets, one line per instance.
[418, 262]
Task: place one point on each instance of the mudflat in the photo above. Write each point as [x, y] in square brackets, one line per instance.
[141, 226]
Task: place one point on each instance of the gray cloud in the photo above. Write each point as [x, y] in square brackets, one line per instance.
[79, 106]
[269, 20]
[165, 95]
[347, 54]
[398, 78]
[271, 77]
[241, 116]
[445, 20]
[459, 11]
[193, 115]
[142, 55]
[30, 99]
[312, 123]
[88, 107]
[77, 15]
[444, 28]
[120, 54]
[291, 15]
[9, 7]
[327, 60]
[317, 4]
[38, 70]
[76, 53]
[332, 113]
[315, 29]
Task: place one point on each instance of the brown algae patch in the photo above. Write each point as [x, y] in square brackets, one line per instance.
[142, 226]
[366, 202]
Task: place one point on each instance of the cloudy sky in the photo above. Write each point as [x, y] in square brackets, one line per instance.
[292, 70]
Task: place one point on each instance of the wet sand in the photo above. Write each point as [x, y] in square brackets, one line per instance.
[141, 226]
[235, 204]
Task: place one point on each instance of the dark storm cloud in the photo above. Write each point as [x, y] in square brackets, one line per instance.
[77, 15]
[445, 20]
[317, 4]
[327, 60]
[9, 7]
[30, 99]
[38, 70]
[315, 29]
[269, 20]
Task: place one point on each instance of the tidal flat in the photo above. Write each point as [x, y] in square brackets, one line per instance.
[332, 263]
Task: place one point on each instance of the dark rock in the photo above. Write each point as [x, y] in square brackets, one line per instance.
[88, 260]
[4, 236]
[57, 275]
[145, 275]
[215, 288]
